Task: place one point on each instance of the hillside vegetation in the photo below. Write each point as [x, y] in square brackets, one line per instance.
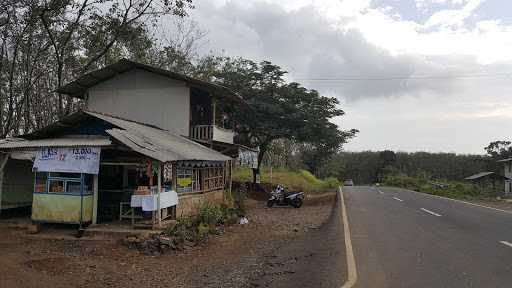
[446, 188]
[300, 180]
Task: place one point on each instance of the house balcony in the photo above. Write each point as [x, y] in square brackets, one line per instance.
[207, 133]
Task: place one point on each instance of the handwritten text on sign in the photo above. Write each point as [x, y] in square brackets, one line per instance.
[72, 160]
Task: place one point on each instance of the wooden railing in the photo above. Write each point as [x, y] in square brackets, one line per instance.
[211, 132]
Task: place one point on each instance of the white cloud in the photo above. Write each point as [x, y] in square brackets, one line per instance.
[427, 3]
[489, 41]
[454, 18]
[352, 39]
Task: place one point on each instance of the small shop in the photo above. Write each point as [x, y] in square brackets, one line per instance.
[63, 186]
[126, 173]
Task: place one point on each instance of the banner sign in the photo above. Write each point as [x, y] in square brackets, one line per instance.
[184, 180]
[71, 160]
[248, 158]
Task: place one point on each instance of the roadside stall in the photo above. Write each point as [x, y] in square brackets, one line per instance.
[91, 168]
[147, 198]
[64, 184]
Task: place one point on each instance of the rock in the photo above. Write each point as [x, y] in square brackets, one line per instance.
[34, 229]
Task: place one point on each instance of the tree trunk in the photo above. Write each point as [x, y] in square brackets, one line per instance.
[256, 171]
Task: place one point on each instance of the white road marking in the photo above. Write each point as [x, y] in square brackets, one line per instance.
[398, 199]
[351, 261]
[381, 193]
[430, 212]
[460, 201]
[506, 243]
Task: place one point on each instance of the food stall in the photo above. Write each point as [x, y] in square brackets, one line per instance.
[63, 186]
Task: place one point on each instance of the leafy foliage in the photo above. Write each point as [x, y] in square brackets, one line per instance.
[499, 149]
[44, 44]
[369, 167]
[445, 188]
[282, 110]
[194, 229]
[301, 180]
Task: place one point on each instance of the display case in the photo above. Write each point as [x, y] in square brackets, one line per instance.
[62, 197]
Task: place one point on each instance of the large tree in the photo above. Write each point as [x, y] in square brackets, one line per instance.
[46, 43]
[281, 110]
[499, 149]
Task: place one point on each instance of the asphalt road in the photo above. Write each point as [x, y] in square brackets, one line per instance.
[402, 238]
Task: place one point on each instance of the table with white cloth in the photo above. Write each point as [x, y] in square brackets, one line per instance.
[150, 202]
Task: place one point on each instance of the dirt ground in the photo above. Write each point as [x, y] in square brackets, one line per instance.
[280, 247]
[503, 204]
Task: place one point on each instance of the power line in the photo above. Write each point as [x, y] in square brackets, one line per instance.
[446, 77]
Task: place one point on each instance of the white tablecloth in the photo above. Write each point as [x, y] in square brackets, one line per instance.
[149, 202]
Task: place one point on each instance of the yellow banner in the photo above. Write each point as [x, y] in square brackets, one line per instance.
[184, 182]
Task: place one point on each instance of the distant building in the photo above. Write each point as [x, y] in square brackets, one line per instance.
[507, 164]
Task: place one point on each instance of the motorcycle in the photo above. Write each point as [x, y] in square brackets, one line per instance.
[280, 198]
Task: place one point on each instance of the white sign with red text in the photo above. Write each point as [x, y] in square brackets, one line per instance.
[67, 159]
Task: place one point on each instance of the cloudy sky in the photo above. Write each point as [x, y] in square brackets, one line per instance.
[415, 75]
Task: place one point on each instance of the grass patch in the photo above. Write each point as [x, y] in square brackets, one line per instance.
[300, 180]
[445, 188]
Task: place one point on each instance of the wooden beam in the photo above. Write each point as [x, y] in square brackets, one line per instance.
[3, 162]
[121, 164]
[214, 105]
[95, 199]
[159, 187]
[230, 178]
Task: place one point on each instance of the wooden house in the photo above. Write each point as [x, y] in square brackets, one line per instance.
[147, 145]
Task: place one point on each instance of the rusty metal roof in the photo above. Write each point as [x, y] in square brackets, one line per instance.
[78, 87]
[145, 139]
[485, 174]
[479, 175]
[157, 143]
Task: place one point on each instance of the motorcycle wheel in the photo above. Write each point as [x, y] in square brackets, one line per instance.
[297, 203]
[270, 203]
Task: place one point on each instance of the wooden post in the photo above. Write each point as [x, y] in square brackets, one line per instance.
[230, 178]
[95, 199]
[211, 134]
[2, 166]
[271, 175]
[159, 187]
[214, 107]
[174, 186]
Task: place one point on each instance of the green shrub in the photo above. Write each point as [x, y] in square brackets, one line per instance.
[210, 214]
[184, 230]
[203, 230]
[301, 180]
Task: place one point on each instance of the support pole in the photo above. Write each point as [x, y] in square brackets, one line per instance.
[95, 199]
[159, 215]
[270, 175]
[230, 178]
[2, 165]
[214, 104]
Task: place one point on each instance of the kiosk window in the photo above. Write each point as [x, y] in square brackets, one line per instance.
[56, 186]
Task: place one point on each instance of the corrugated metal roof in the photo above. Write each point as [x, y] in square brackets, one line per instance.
[479, 175]
[157, 143]
[78, 87]
[13, 143]
[148, 140]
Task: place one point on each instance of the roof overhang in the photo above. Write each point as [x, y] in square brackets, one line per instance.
[20, 143]
[482, 175]
[78, 87]
[144, 139]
